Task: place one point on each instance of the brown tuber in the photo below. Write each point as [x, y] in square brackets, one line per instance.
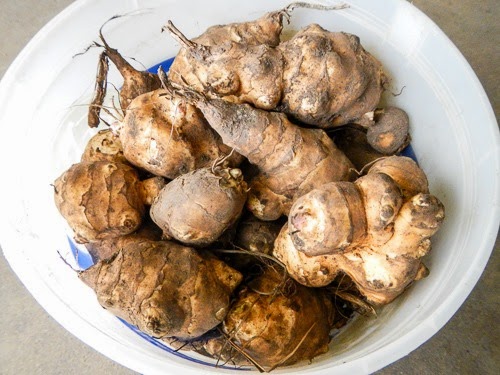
[368, 230]
[250, 40]
[241, 73]
[196, 208]
[291, 160]
[100, 199]
[163, 288]
[165, 135]
[277, 322]
[329, 78]
[390, 132]
[318, 77]
[135, 82]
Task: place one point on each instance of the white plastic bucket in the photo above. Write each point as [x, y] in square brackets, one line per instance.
[454, 132]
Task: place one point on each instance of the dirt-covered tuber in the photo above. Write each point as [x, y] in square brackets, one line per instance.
[165, 135]
[291, 160]
[319, 77]
[163, 288]
[99, 200]
[329, 78]
[196, 208]
[278, 322]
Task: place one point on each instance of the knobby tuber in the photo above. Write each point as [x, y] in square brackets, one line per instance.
[197, 207]
[329, 78]
[278, 322]
[248, 73]
[291, 160]
[100, 199]
[264, 31]
[319, 77]
[369, 230]
[163, 134]
[163, 288]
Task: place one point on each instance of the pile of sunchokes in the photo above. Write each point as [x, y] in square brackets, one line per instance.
[231, 202]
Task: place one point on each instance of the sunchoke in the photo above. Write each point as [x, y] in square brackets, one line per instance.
[329, 78]
[266, 30]
[319, 77]
[100, 199]
[196, 208]
[291, 160]
[278, 322]
[165, 135]
[368, 230]
[390, 132]
[163, 288]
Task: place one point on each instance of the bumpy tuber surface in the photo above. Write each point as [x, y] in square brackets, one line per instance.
[291, 160]
[189, 67]
[368, 230]
[163, 288]
[108, 247]
[196, 208]
[165, 135]
[99, 200]
[278, 323]
[329, 78]
[239, 72]
[319, 77]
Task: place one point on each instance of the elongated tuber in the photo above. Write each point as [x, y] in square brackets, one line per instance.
[291, 160]
[163, 288]
[368, 230]
[135, 82]
[196, 208]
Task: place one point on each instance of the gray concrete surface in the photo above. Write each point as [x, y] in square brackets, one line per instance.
[31, 342]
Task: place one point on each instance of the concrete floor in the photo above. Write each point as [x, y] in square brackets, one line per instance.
[31, 342]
